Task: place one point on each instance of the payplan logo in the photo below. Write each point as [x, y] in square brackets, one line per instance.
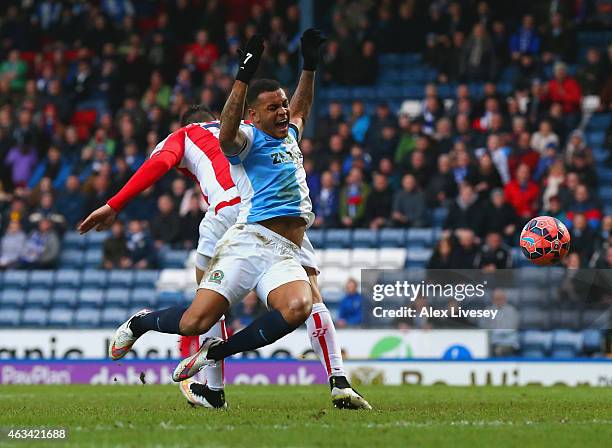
[391, 347]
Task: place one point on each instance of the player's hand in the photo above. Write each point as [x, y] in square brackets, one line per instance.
[312, 40]
[100, 219]
[250, 56]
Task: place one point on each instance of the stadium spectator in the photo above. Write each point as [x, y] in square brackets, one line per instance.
[46, 209]
[591, 75]
[558, 42]
[442, 187]
[140, 246]
[13, 71]
[11, 245]
[326, 202]
[349, 313]
[544, 137]
[379, 202]
[441, 255]
[190, 222]
[166, 225]
[115, 253]
[41, 249]
[484, 177]
[204, 51]
[494, 254]
[353, 199]
[525, 40]
[466, 212]
[479, 60]
[584, 204]
[21, 159]
[55, 167]
[246, 311]
[504, 334]
[583, 238]
[522, 193]
[409, 208]
[565, 90]
[465, 250]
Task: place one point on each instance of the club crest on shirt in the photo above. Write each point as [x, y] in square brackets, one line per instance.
[216, 276]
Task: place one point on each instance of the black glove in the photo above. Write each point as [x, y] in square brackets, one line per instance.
[250, 57]
[312, 39]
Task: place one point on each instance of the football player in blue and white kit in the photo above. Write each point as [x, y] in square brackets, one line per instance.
[261, 251]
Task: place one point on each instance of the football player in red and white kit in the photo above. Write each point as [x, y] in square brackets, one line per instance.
[194, 150]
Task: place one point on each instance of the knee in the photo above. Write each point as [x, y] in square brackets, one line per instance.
[192, 325]
[298, 309]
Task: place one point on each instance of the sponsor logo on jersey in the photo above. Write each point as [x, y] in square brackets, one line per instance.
[216, 276]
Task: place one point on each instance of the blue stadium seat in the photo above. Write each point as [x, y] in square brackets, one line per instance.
[144, 297]
[533, 353]
[42, 279]
[536, 340]
[95, 239]
[34, 318]
[596, 138]
[146, 278]
[332, 295]
[534, 319]
[94, 278]
[392, 238]
[91, 297]
[317, 237]
[71, 258]
[420, 237]
[599, 122]
[337, 238]
[93, 258]
[113, 317]
[9, 317]
[438, 216]
[15, 279]
[12, 297]
[417, 257]
[365, 238]
[117, 297]
[566, 344]
[38, 297]
[67, 278]
[565, 319]
[169, 298]
[121, 278]
[533, 297]
[60, 317]
[592, 341]
[64, 297]
[600, 155]
[73, 240]
[174, 259]
[605, 193]
[86, 318]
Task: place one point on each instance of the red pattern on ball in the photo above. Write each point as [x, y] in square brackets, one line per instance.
[545, 240]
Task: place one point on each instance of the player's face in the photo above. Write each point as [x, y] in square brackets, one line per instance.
[271, 113]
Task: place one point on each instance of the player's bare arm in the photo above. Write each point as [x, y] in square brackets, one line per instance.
[231, 140]
[301, 101]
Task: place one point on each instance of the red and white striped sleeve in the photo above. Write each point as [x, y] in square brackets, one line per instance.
[165, 156]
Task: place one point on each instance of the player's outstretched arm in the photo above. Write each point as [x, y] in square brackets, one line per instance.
[231, 140]
[301, 101]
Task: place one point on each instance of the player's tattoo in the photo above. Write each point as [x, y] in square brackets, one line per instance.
[301, 101]
[230, 139]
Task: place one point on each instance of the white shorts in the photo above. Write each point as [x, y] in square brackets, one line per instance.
[250, 256]
[214, 226]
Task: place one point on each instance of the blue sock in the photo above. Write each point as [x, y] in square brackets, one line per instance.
[263, 331]
[164, 321]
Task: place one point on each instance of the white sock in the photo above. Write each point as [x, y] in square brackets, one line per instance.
[322, 334]
[214, 373]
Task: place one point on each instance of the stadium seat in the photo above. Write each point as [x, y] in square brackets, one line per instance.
[592, 341]
[332, 294]
[94, 278]
[316, 237]
[117, 297]
[417, 257]
[67, 278]
[392, 238]
[536, 340]
[64, 297]
[174, 259]
[421, 237]
[86, 318]
[95, 239]
[363, 238]
[121, 278]
[144, 297]
[15, 279]
[71, 258]
[391, 258]
[9, 317]
[337, 238]
[336, 258]
[364, 258]
[599, 122]
[596, 138]
[438, 216]
[334, 277]
[12, 297]
[533, 297]
[565, 319]
[34, 318]
[38, 297]
[42, 279]
[113, 317]
[566, 344]
[91, 297]
[73, 240]
[145, 278]
[595, 318]
[60, 317]
[93, 258]
[169, 298]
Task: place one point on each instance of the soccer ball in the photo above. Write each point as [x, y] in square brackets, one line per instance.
[545, 240]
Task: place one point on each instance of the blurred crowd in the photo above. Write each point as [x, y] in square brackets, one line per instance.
[87, 89]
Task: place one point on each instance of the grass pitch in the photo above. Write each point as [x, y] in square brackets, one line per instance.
[287, 416]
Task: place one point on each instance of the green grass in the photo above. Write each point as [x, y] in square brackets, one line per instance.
[283, 416]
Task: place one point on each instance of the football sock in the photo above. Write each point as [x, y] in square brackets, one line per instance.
[164, 321]
[214, 373]
[263, 331]
[322, 334]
